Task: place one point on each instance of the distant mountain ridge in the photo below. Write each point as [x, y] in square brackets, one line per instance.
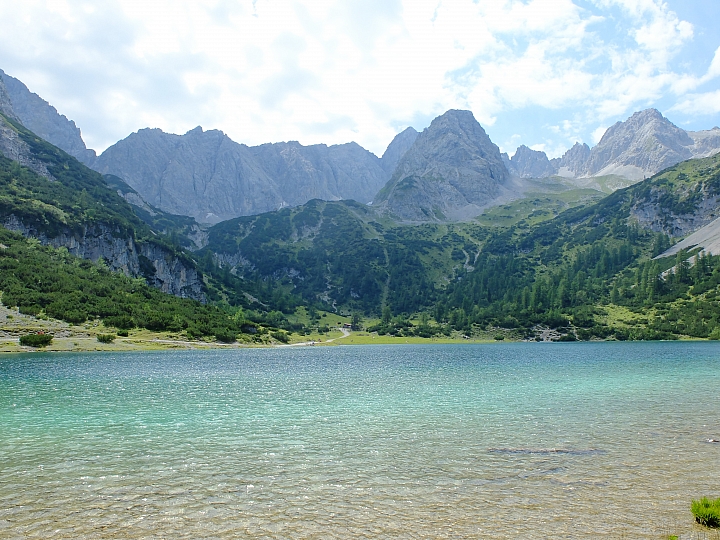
[527, 163]
[643, 145]
[206, 175]
[41, 118]
[451, 172]
[209, 177]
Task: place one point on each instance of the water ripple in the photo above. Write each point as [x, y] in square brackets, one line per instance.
[359, 442]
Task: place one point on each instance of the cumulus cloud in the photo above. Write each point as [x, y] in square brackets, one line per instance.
[339, 70]
[703, 103]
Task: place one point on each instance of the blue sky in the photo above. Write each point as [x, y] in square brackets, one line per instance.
[544, 73]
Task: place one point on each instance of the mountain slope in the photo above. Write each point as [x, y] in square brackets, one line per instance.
[338, 255]
[644, 144]
[451, 172]
[41, 118]
[397, 148]
[527, 163]
[63, 203]
[206, 175]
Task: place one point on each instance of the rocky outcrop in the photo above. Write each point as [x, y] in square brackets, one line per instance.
[5, 103]
[206, 175]
[643, 145]
[706, 143]
[331, 173]
[171, 274]
[397, 148]
[451, 172]
[161, 269]
[650, 213]
[572, 163]
[14, 148]
[41, 118]
[527, 163]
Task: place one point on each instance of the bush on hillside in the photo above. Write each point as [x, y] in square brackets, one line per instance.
[36, 340]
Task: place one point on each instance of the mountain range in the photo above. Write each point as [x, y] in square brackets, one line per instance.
[643, 145]
[206, 175]
[562, 262]
[450, 172]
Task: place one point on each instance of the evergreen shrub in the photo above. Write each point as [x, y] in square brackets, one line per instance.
[36, 340]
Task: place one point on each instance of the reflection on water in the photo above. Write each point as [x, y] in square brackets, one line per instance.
[496, 441]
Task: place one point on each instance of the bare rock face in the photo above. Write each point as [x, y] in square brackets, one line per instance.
[14, 148]
[123, 254]
[41, 118]
[707, 142]
[206, 175]
[397, 148]
[5, 103]
[200, 174]
[574, 161]
[331, 173]
[451, 172]
[527, 163]
[643, 145]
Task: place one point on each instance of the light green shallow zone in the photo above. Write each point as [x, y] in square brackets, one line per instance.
[474, 441]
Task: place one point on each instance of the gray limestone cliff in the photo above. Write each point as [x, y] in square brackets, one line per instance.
[706, 143]
[527, 163]
[163, 269]
[643, 145]
[170, 272]
[15, 149]
[397, 148]
[206, 175]
[572, 163]
[451, 172]
[41, 118]
[5, 103]
[331, 173]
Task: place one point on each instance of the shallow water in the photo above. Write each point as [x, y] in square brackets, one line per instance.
[466, 441]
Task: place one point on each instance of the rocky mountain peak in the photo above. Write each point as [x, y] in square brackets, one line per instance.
[573, 162]
[397, 148]
[644, 144]
[41, 118]
[451, 171]
[5, 103]
[528, 163]
[206, 175]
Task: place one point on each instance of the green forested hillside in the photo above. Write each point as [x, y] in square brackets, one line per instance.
[44, 281]
[589, 272]
[52, 282]
[564, 273]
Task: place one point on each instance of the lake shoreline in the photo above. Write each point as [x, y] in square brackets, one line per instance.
[139, 344]
[83, 338]
[126, 344]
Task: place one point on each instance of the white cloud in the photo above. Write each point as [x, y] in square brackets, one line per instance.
[700, 104]
[339, 70]
[597, 134]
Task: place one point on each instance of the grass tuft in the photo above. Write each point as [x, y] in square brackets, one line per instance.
[706, 511]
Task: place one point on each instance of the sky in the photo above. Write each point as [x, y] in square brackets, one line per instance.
[544, 73]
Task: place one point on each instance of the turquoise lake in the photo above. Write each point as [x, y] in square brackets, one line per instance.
[605, 440]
